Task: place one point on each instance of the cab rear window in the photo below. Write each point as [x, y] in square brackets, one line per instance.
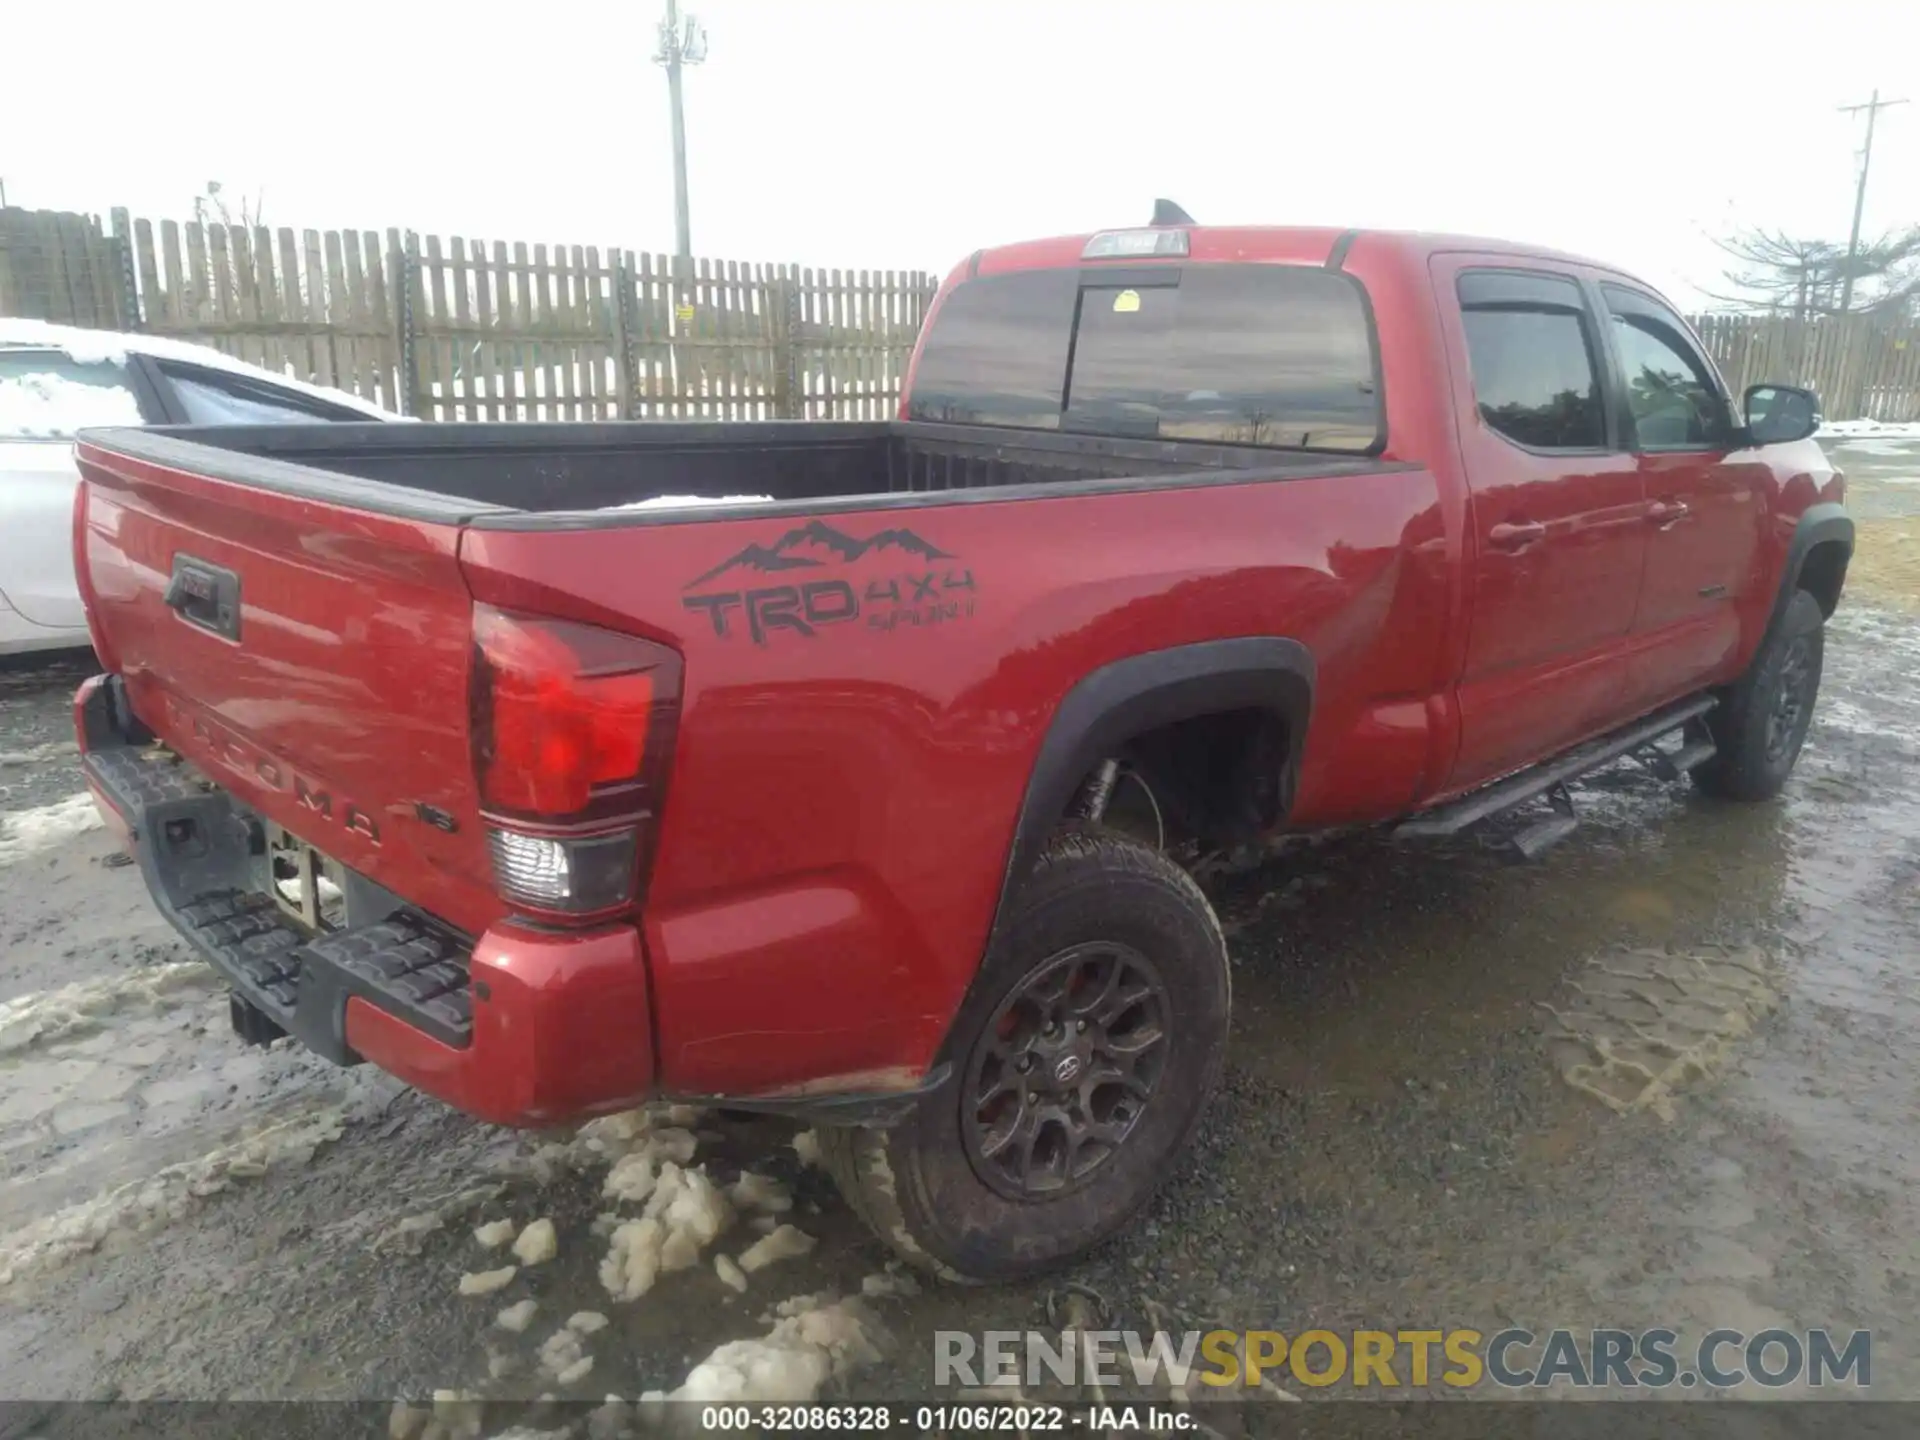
[1272, 355]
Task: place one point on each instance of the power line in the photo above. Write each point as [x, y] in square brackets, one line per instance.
[1873, 108]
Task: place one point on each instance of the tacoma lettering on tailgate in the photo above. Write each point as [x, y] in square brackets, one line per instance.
[243, 759]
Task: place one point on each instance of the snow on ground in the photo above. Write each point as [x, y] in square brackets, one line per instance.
[46, 406]
[1894, 449]
[28, 832]
[1869, 430]
[148, 1201]
[816, 1338]
[82, 1007]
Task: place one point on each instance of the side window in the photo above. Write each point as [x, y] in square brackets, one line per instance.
[1671, 394]
[210, 398]
[47, 395]
[1532, 351]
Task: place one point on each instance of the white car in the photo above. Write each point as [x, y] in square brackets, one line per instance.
[54, 380]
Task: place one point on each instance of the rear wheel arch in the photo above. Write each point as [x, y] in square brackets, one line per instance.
[1141, 694]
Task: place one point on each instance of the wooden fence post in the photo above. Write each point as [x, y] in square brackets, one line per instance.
[683, 356]
[623, 368]
[786, 348]
[122, 242]
[406, 265]
[1852, 384]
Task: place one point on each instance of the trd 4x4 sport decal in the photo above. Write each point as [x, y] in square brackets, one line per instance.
[907, 581]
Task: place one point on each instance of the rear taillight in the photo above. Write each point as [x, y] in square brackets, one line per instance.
[572, 731]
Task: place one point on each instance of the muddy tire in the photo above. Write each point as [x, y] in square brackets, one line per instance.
[1082, 1058]
[1761, 723]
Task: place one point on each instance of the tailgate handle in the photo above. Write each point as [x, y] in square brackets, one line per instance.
[207, 596]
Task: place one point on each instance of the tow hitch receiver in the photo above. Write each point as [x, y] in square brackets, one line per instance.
[252, 1024]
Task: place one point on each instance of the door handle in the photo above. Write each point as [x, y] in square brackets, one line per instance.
[1516, 536]
[1667, 513]
[204, 595]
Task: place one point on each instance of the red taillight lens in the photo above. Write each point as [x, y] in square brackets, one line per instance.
[572, 730]
[563, 710]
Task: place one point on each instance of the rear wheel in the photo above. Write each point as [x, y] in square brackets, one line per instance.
[1760, 726]
[1082, 1058]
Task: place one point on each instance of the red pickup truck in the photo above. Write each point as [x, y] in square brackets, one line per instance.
[860, 793]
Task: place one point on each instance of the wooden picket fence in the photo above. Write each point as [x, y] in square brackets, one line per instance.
[463, 329]
[514, 333]
[1861, 368]
[55, 265]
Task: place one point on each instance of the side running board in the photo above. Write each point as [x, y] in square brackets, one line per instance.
[1551, 777]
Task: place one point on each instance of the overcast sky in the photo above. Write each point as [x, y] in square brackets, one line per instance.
[905, 133]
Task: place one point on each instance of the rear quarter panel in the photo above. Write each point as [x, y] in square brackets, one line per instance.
[847, 777]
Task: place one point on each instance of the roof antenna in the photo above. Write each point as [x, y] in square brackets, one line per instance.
[1165, 212]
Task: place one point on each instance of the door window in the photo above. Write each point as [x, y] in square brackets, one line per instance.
[1535, 378]
[208, 397]
[1670, 392]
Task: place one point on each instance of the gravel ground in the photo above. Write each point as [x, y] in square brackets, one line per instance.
[1448, 1102]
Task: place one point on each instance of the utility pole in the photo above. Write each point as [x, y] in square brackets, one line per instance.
[1873, 108]
[681, 43]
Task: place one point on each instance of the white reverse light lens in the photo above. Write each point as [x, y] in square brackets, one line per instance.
[531, 868]
[581, 876]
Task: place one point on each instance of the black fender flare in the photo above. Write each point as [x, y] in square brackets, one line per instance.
[1144, 692]
[1822, 524]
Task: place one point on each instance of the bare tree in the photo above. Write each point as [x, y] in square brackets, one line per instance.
[1776, 272]
[212, 204]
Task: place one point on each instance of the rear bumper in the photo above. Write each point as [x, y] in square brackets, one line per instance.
[518, 1026]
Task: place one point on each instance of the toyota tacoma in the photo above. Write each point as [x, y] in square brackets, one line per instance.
[860, 789]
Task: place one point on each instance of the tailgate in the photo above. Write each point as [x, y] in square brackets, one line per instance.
[309, 655]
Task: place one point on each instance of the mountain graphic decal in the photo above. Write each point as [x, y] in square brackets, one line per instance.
[817, 536]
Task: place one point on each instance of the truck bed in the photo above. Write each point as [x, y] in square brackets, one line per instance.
[856, 675]
[593, 473]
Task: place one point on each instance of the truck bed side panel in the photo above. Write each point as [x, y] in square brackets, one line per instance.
[865, 699]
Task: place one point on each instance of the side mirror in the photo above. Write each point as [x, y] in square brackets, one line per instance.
[1777, 414]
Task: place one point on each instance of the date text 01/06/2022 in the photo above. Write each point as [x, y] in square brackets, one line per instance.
[944, 1418]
